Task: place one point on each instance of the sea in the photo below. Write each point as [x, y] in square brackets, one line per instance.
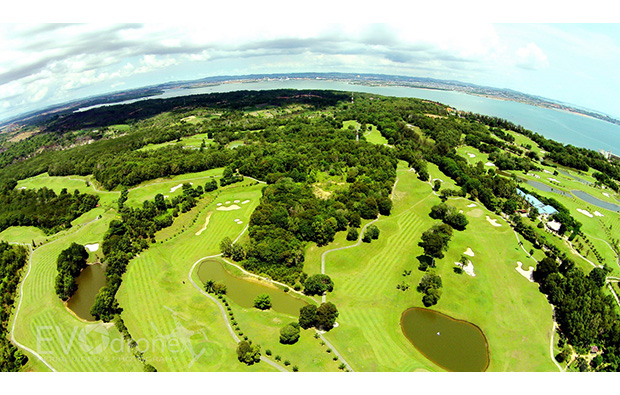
[561, 126]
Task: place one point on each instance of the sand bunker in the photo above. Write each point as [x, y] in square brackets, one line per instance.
[493, 221]
[219, 204]
[472, 205]
[206, 223]
[236, 201]
[237, 220]
[471, 155]
[598, 214]
[228, 208]
[437, 179]
[585, 212]
[553, 179]
[547, 171]
[606, 194]
[525, 273]
[469, 268]
[92, 247]
[469, 252]
[227, 202]
[489, 164]
[245, 202]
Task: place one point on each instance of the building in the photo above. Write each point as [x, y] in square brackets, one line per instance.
[543, 209]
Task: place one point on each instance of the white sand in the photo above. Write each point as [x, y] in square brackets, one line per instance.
[219, 204]
[489, 164]
[461, 211]
[92, 247]
[472, 205]
[228, 208]
[598, 214]
[471, 155]
[525, 273]
[206, 223]
[547, 171]
[236, 201]
[585, 212]
[239, 222]
[469, 268]
[227, 202]
[437, 179]
[469, 252]
[553, 179]
[606, 194]
[493, 221]
[245, 202]
[27, 188]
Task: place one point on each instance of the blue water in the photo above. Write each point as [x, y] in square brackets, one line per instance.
[595, 201]
[558, 125]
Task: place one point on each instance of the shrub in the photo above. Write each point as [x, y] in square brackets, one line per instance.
[268, 352]
[289, 334]
[262, 302]
[287, 362]
[295, 368]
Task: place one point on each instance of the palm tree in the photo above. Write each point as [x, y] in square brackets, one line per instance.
[209, 286]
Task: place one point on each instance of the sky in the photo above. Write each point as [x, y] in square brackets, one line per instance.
[49, 63]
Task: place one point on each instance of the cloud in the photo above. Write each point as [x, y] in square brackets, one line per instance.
[531, 57]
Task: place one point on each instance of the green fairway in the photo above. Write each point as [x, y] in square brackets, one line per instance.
[509, 309]
[22, 235]
[374, 136]
[46, 326]
[191, 142]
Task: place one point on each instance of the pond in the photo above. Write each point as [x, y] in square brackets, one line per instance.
[544, 187]
[242, 291]
[90, 281]
[595, 201]
[574, 177]
[454, 345]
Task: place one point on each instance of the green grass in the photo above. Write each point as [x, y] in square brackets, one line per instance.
[374, 136]
[193, 142]
[44, 321]
[513, 314]
[465, 152]
[22, 234]
[158, 299]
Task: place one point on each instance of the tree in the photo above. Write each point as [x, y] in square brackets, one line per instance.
[598, 275]
[248, 353]
[219, 288]
[435, 240]
[436, 185]
[355, 221]
[237, 253]
[544, 268]
[226, 247]
[326, 316]
[352, 234]
[307, 316]
[209, 286]
[457, 221]
[262, 302]
[317, 284]
[289, 334]
[373, 231]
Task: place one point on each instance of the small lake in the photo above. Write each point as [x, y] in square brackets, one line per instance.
[595, 201]
[243, 291]
[90, 281]
[574, 177]
[454, 345]
[544, 187]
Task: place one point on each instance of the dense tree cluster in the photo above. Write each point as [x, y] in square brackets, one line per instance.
[430, 285]
[318, 284]
[12, 260]
[69, 264]
[42, 208]
[450, 215]
[435, 240]
[322, 318]
[289, 334]
[248, 353]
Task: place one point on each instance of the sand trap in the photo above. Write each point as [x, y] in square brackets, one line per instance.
[493, 221]
[472, 205]
[469, 252]
[585, 212]
[471, 155]
[175, 188]
[469, 268]
[236, 201]
[245, 202]
[92, 247]
[219, 204]
[437, 179]
[228, 208]
[206, 223]
[606, 194]
[553, 179]
[525, 273]
[598, 214]
[227, 202]
[27, 188]
[489, 164]
[461, 211]
[239, 222]
[547, 171]
[166, 196]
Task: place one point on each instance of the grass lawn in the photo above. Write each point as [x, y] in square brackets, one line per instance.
[23, 234]
[512, 313]
[186, 142]
[374, 136]
[45, 325]
[158, 299]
